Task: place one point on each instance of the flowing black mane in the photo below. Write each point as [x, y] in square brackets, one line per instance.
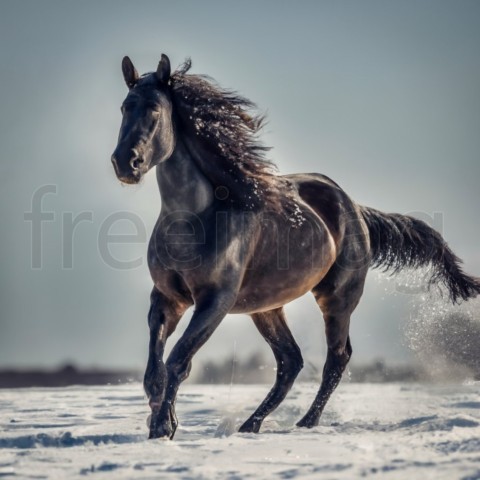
[229, 126]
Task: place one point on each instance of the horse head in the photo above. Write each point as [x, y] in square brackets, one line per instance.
[146, 135]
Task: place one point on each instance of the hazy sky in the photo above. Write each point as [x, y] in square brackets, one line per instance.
[382, 96]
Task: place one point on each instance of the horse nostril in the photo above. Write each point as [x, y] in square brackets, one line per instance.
[136, 163]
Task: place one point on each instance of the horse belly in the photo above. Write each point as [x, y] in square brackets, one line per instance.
[280, 272]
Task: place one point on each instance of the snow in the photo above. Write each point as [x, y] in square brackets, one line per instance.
[391, 431]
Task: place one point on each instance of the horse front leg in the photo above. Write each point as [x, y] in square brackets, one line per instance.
[210, 311]
[163, 318]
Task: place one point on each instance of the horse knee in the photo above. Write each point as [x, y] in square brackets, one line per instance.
[179, 371]
[154, 380]
[341, 356]
[297, 361]
[348, 349]
[291, 365]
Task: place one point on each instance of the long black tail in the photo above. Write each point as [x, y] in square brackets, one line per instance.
[398, 241]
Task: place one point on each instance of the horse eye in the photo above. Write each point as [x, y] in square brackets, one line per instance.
[127, 107]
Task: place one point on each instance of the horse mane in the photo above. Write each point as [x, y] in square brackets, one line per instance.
[229, 126]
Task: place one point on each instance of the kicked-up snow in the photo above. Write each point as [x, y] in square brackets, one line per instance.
[384, 431]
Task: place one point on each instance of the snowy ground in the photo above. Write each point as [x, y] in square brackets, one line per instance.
[375, 431]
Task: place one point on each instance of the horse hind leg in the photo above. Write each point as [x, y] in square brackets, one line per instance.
[337, 360]
[337, 308]
[273, 327]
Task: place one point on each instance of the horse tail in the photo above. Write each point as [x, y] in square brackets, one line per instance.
[399, 241]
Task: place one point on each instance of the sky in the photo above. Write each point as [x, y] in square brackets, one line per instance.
[382, 96]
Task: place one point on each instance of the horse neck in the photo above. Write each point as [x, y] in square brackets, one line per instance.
[181, 183]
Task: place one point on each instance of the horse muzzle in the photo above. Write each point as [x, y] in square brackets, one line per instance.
[129, 170]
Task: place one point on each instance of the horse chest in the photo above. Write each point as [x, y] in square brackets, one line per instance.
[194, 251]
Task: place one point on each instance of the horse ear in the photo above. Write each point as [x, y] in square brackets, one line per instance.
[163, 69]
[130, 74]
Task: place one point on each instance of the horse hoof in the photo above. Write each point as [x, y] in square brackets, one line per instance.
[250, 427]
[153, 435]
[307, 423]
[166, 431]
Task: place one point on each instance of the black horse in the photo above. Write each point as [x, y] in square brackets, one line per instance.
[235, 237]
